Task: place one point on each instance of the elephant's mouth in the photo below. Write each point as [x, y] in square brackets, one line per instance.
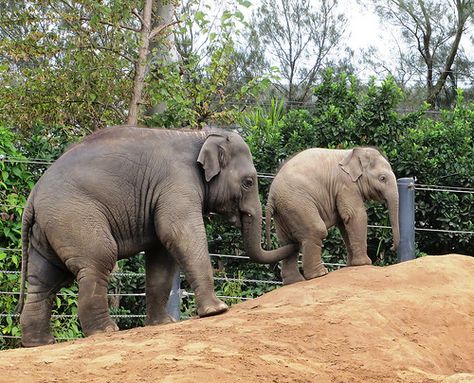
[236, 220]
[378, 196]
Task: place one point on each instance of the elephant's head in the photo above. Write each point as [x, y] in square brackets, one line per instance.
[232, 190]
[376, 181]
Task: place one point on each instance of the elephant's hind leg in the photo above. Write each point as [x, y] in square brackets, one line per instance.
[160, 271]
[305, 226]
[311, 247]
[290, 272]
[93, 308]
[92, 262]
[44, 281]
[313, 266]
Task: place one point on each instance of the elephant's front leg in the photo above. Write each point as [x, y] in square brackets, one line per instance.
[354, 218]
[160, 271]
[345, 237]
[184, 236]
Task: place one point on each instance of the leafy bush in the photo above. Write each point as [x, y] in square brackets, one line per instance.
[440, 152]
[18, 175]
[15, 180]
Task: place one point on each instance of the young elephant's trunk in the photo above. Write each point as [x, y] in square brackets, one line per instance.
[251, 234]
[392, 203]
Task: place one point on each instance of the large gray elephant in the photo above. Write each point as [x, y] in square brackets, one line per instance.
[124, 190]
[321, 188]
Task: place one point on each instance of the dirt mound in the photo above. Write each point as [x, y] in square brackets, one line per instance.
[411, 322]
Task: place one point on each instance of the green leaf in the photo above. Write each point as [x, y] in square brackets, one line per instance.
[245, 3]
[226, 15]
[17, 172]
[199, 15]
[239, 15]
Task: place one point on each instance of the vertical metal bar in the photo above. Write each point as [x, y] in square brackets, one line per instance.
[406, 192]
[174, 301]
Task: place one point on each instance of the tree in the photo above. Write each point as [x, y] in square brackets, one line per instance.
[67, 63]
[204, 85]
[78, 64]
[147, 36]
[432, 29]
[300, 40]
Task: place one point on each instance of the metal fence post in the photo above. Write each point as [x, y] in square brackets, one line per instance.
[173, 305]
[406, 192]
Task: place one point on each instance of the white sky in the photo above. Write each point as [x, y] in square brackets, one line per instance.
[364, 29]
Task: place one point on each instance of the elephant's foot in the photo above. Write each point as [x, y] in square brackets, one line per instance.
[292, 278]
[34, 340]
[164, 318]
[213, 308]
[360, 261]
[316, 272]
[111, 326]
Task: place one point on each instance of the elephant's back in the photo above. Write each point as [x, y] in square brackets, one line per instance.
[125, 151]
[311, 163]
[117, 164]
[311, 175]
[136, 141]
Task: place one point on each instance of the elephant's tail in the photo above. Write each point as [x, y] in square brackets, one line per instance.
[26, 224]
[268, 222]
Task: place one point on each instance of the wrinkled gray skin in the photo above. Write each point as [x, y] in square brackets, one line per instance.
[321, 188]
[124, 190]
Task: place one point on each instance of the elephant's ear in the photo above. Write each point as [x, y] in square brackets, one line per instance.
[213, 155]
[355, 163]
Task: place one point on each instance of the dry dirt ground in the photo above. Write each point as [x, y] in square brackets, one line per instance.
[411, 322]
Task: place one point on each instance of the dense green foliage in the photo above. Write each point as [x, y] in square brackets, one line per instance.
[22, 163]
[15, 182]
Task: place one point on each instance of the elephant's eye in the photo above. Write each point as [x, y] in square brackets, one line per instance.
[382, 178]
[247, 183]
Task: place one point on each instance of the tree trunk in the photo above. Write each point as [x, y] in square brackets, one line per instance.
[163, 15]
[140, 65]
[436, 89]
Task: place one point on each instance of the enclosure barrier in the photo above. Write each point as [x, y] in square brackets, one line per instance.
[406, 195]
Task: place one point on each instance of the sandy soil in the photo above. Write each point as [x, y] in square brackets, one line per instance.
[411, 322]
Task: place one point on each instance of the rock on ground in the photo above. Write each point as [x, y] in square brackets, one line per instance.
[410, 322]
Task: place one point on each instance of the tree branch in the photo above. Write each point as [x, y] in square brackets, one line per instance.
[112, 25]
[161, 28]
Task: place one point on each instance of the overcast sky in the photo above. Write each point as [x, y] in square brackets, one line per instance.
[365, 29]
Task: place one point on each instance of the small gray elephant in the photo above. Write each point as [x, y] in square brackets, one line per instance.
[320, 188]
[123, 190]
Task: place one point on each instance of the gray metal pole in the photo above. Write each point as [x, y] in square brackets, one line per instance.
[406, 192]
[174, 301]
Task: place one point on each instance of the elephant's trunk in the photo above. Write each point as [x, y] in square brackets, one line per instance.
[392, 204]
[252, 236]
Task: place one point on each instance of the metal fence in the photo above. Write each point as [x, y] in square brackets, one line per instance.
[407, 190]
